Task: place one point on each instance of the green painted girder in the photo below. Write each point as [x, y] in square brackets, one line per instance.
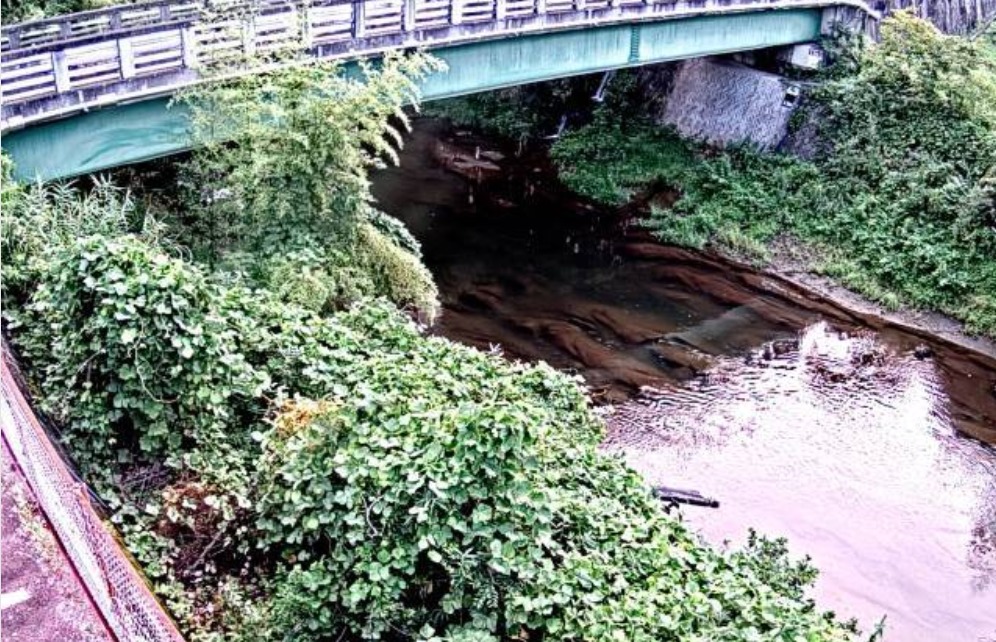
[130, 133]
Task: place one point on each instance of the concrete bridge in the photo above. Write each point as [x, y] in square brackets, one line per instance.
[89, 91]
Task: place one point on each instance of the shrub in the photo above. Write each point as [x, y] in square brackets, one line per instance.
[282, 157]
[40, 219]
[608, 161]
[399, 275]
[136, 354]
[452, 496]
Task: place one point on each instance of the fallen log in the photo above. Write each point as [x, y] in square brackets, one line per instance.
[681, 496]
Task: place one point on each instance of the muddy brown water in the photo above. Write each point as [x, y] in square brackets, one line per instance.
[863, 444]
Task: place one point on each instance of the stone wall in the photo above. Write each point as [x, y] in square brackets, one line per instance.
[720, 102]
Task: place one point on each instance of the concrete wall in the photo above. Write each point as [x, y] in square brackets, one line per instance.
[721, 102]
[724, 103]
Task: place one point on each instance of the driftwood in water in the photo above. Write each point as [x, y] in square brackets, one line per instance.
[680, 496]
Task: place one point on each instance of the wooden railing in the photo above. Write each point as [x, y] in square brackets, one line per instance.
[49, 68]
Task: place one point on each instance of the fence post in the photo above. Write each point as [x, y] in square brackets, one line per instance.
[249, 35]
[408, 10]
[456, 12]
[126, 60]
[306, 37]
[188, 43]
[358, 26]
[60, 67]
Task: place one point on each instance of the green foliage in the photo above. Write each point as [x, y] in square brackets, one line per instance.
[518, 113]
[533, 111]
[24, 10]
[430, 492]
[394, 230]
[405, 488]
[609, 160]
[41, 218]
[135, 351]
[397, 273]
[440, 493]
[316, 279]
[278, 188]
[903, 202]
[324, 279]
[285, 155]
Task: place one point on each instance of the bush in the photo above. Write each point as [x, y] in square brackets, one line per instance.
[398, 274]
[430, 491]
[136, 353]
[279, 191]
[608, 161]
[39, 219]
[407, 488]
[325, 278]
[452, 496]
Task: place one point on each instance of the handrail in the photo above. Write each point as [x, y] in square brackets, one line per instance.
[120, 19]
[137, 51]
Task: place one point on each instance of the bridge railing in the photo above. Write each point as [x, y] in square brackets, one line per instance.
[49, 68]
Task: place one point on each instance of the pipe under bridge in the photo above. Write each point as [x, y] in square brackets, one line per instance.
[89, 91]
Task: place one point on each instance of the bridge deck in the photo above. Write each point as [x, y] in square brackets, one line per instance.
[57, 67]
[89, 91]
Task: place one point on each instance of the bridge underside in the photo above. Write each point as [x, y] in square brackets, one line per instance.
[131, 133]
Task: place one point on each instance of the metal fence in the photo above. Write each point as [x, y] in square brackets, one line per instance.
[115, 585]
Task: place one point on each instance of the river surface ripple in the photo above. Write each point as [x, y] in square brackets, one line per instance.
[806, 421]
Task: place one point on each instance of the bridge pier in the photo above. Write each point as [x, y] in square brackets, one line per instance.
[722, 101]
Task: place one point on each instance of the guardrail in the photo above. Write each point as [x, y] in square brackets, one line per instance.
[53, 67]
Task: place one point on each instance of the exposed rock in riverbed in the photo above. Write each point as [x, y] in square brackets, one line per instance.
[476, 166]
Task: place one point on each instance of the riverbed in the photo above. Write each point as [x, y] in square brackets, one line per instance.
[862, 443]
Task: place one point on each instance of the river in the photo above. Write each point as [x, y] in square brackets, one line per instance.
[838, 431]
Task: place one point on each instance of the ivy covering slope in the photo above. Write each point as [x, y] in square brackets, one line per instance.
[901, 204]
[292, 466]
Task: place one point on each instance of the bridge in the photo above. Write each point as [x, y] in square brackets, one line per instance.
[90, 91]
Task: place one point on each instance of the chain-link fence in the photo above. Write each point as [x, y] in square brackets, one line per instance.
[115, 585]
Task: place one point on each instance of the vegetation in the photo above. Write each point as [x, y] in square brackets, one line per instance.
[292, 459]
[428, 491]
[901, 202]
[278, 189]
[24, 10]
[525, 112]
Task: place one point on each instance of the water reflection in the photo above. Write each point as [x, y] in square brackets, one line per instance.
[805, 420]
[844, 446]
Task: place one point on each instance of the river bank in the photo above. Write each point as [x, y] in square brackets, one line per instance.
[798, 264]
[858, 438]
[788, 278]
